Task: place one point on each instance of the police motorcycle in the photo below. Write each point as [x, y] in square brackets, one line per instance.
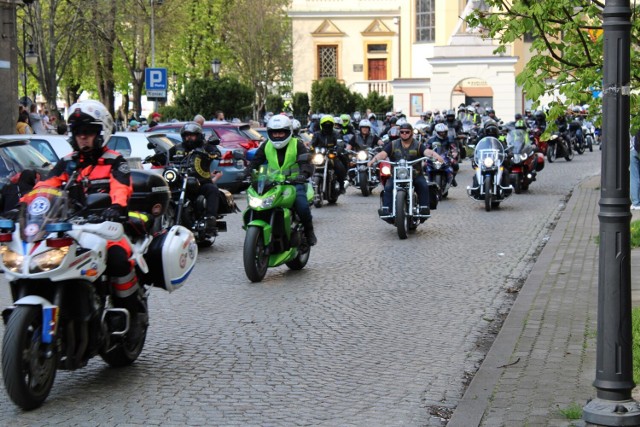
[54, 256]
[489, 180]
[274, 233]
[187, 207]
[324, 180]
[522, 163]
[405, 212]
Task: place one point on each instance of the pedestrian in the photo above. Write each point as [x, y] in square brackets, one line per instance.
[155, 119]
[35, 119]
[634, 172]
[199, 119]
[22, 127]
[134, 125]
[219, 116]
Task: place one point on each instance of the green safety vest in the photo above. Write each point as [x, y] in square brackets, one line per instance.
[290, 158]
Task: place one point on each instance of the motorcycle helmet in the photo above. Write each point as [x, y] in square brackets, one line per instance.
[364, 123]
[326, 123]
[441, 130]
[314, 117]
[393, 121]
[518, 116]
[296, 126]
[280, 124]
[401, 121]
[345, 119]
[451, 115]
[491, 128]
[94, 116]
[490, 111]
[439, 118]
[405, 126]
[540, 116]
[372, 116]
[356, 116]
[471, 109]
[192, 128]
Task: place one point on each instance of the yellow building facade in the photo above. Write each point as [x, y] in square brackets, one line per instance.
[419, 51]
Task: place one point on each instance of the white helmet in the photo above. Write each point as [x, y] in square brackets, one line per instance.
[92, 113]
[296, 126]
[401, 121]
[364, 123]
[279, 123]
[441, 129]
[471, 109]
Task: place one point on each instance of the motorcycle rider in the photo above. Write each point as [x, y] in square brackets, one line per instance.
[439, 143]
[281, 152]
[102, 170]
[193, 141]
[409, 149]
[366, 138]
[345, 126]
[328, 138]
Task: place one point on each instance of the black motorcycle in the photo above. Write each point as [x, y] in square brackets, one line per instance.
[325, 180]
[559, 145]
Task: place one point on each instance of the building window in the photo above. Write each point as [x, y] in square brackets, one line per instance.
[376, 48]
[425, 20]
[327, 61]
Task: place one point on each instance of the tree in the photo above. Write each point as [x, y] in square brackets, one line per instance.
[330, 96]
[259, 32]
[376, 103]
[300, 104]
[567, 46]
[205, 96]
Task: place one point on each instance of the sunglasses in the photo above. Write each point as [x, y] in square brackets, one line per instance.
[86, 130]
[405, 132]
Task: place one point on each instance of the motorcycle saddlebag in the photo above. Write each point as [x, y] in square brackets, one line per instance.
[150, 192]
[227, 205]
[171, 257]
[433, 195]
[540, 162]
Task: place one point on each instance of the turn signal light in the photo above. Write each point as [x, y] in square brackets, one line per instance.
[59, 242]
[6, 237]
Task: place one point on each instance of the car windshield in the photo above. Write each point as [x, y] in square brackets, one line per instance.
[45, 149]
[22, 156]
[251, 133]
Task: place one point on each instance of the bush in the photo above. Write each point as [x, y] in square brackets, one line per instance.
[332, 97]
[300, 104]
[274, 104]
[206, 96]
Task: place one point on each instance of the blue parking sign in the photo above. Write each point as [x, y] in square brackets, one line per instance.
[155, 78]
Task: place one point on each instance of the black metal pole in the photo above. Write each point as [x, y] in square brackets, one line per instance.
[613, 405]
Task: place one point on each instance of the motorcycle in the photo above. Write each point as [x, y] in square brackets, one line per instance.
[405, 213]
[522, 163]
[362, 176]
[63, 311]
[441, 173]
[324, 180]
[577, 144]
[489, 180]
[589, 132]
[541, 144]
[187, 207]
[559, 146]
[275, 235]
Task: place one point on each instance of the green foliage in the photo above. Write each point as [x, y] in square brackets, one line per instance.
[567, 48]
[635, 334]
[376, 102]
[572, 412]
[205, 96]
[332, 97]
[300, 104]
[274, 104]
[635, 234]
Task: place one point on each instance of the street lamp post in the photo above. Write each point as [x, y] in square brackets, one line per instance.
[613, 405]
[215, 67]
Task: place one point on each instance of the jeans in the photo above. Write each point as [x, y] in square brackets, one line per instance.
[302, 205]
[212, 195]
[634, 175]
[420, 185]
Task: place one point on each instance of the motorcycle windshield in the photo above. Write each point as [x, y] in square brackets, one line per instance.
[42, 206]
[467, 125]
[267, 177]
[489, 147]
[517, 138]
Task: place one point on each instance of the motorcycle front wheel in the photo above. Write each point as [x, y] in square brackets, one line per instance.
[334, 191]
[551, 153]
[363, 178]
[488, 188]
[579, 148]
[317, 185]
[28, 373]
[256, 260]
[440, 183]
[401, 215]
[516, 180]
[568, 154]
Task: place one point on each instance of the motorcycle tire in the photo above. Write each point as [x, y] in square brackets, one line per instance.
[401, 215]
[438, 180]
[363, 178]
[254, 256]
[569, 155]
[334, 192]
[28, 374]
[488, 188]
[590, 143]
[551, 153]
[317, 185]
[127, 351]
[579, 148]
[304, 250]
[516, 181]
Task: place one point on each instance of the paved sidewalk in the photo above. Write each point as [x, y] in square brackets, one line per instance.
[543, 360]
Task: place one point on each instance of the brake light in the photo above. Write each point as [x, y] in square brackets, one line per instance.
[226, 160]
[249, 145]
[6, 237]
[59, 242]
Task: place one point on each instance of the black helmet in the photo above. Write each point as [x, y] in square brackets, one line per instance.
[406, 126]
[491, 128]
[540, 116]
[393, 120]
[192, 128]
[518, 116]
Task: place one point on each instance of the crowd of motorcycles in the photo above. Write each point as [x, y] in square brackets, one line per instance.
[53, 253]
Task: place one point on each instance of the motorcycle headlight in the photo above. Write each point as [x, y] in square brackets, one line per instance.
[258, 202]
[402, 173]
[362, 155]
[12, 260]
[318, 159]
[170, 175]
[553, 137]
[386, 170]
[487, 162]
[48, 260]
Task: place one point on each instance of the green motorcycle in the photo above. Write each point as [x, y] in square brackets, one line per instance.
[275, 235]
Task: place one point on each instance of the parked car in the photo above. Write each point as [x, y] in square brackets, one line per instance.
[231, 135]
[53, 147]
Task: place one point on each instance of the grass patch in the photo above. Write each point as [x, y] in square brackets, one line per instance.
[635, 234]
[572, 412]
